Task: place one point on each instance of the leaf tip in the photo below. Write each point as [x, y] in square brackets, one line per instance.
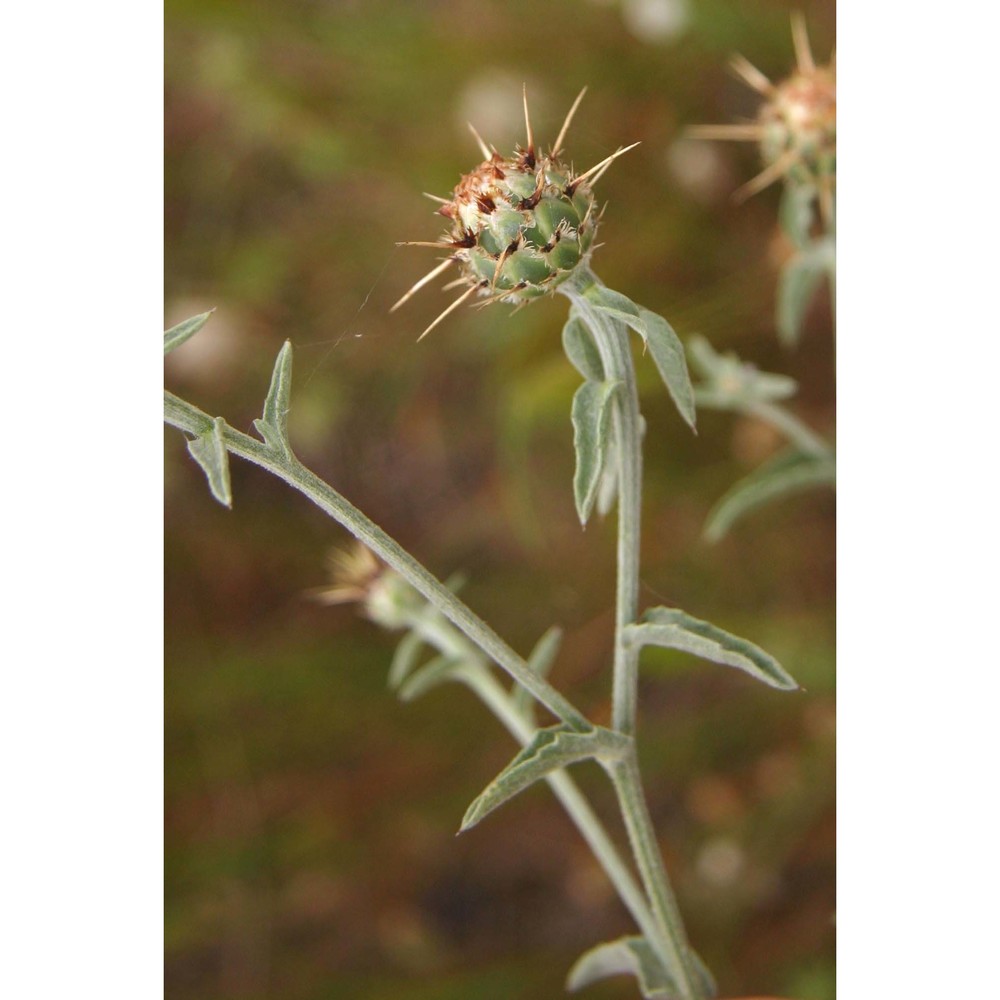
[470, 819]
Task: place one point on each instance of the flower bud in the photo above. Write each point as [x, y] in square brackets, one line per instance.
[520, 225]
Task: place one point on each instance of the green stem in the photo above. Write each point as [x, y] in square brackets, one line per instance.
[583, 816]
[674, 948]
[181, 414]
[502, 705]
[612, 340]
[440, 635]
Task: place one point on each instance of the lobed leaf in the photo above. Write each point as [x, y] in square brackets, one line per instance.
[540, 660]
[671, 628]
[209, 451]
[273, 425]
[549, 750]
[176, 335]
[591, 416]
[578, 343]
[789, 472]
[668, 356]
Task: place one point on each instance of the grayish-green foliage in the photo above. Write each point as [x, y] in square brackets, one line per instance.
[630, 956]
[550, 750]
[815, 257]
[273, 426]
[437, 671]
[540, 660]
[672, 628]
[616, 305]
[797, 284]
[578, 343]
[634, 956]
[659, 338]
[668, 356]
[209, 451]
[405, 659]
[787, 473]
[732, 384]
[176, 335]
[661, 959]
[591, 417]
[796, 213]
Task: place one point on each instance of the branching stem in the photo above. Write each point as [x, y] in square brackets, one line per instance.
[181, 414]
[657, 914]
[612, 341]
[611, 338]
[482, 682]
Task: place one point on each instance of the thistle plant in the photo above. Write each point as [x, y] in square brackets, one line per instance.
[520, 228]
[796, 135]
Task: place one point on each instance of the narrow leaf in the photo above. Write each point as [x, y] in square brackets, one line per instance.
[176, 335]
[273, 425]
[578, 343]
[436, 672]
[591, 415]
[540, 661]
[549, 750]
[405, 658]
[672, 628]
[668, 356]
[797, 285]
[615, 304]
[632, 956]
[209, 451]
[787, 473]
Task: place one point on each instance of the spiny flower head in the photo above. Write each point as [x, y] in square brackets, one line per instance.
[520, 225]
[358, 577]
[796, 127]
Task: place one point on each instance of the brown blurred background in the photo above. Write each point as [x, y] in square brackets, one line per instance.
[310, 816]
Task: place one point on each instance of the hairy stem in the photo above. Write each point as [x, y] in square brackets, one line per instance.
[673, 940]
[440, 635]
[181, 414]
[578, 808]
[611, 337]
[498, 700]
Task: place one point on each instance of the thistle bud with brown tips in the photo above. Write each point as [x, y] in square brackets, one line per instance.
[796, 127]
[519, 225]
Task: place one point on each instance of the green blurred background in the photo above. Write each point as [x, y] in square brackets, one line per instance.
[310, 848]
